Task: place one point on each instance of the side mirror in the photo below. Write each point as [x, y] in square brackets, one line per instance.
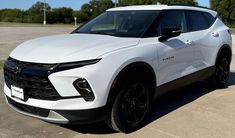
[169, 33]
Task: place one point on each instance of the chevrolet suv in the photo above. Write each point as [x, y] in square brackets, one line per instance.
[111, 68]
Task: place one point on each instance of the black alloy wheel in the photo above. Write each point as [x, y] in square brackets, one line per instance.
[134, 104]
[130, 106]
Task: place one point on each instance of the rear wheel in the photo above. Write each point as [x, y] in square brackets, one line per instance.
[222, 70]
[130, 106]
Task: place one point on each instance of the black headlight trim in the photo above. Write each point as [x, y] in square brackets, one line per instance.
[84, 89]
[72, 65]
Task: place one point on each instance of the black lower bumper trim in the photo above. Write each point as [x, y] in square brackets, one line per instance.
[84, 116]
[28, 109]
[74, 116]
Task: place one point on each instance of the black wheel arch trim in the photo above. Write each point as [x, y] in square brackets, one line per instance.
[225, 46]
[124, 70]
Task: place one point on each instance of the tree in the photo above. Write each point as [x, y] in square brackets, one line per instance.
[35, 12]
[99, 6]
[92, 9]
[226, 9]
[39, 7]
[11, 15]
[85, 13]
[61, 15]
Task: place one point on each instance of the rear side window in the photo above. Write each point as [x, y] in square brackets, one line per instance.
[196, 21]
[210, 19]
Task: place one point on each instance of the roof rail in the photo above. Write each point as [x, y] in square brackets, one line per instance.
[191, 5]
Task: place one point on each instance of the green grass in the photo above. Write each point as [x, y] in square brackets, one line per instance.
[11, 24]
[1, 64]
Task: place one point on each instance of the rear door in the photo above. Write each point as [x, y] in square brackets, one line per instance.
[203, 36]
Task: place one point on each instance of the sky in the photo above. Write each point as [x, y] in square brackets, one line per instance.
[75, 4]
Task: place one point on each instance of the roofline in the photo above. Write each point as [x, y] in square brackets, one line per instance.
[164, 7]
[190, 5]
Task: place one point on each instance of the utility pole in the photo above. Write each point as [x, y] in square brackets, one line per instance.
[75, 21]
[116, 1]
[44, 11]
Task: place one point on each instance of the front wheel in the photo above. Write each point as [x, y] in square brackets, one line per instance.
[130, 106]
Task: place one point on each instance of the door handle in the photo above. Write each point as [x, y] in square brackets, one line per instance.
[215, 34]
[189, 42]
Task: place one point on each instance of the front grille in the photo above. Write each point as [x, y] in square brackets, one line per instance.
[30, 65]
[29, 109]
[32, 78]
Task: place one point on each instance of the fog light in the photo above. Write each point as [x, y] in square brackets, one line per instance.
[83, 87]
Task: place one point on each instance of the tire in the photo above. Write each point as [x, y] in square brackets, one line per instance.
[130, 106]
[222, 70]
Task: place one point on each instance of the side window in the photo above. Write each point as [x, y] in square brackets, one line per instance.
[210, 19]
[196, 21]
[172, 19]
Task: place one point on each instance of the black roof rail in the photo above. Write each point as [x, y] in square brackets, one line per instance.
[191, 5]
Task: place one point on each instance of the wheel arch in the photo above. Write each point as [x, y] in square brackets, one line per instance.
[132, 69]
[224, 49]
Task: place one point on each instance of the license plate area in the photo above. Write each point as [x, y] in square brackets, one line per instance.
[17, 92]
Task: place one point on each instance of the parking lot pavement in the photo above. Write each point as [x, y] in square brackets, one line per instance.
[10, 37]
[193, 111]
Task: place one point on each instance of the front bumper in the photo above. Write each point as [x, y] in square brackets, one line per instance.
[51, 96]
[59, 116]
[46, 88]
[70, 107]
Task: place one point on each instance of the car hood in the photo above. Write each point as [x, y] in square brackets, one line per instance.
[69, 48]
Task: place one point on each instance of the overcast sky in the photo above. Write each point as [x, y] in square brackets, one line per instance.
[75, 4]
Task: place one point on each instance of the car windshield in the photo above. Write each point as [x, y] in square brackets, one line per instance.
[120, 23]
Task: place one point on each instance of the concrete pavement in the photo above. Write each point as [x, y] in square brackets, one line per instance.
[10, 37]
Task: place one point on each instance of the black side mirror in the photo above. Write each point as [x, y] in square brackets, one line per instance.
[169, 33]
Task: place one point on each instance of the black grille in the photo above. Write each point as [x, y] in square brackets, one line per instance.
[29, 109]
[33, 78]
[31, 65]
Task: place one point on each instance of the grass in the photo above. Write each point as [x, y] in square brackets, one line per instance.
[11, 24]
[1, 64]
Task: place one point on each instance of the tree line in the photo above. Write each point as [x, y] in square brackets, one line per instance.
[34, 14]
[66, 15]
[226, 10]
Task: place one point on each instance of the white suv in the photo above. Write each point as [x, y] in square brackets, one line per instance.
[112, 67]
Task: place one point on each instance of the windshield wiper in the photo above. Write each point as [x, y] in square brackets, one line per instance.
[102, 33]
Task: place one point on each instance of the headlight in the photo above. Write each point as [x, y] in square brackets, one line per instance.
[71, 65]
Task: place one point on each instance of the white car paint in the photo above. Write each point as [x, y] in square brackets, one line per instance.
[69, 47]
[161, 7]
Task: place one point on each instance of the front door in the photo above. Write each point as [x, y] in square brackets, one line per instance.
[176, 55]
